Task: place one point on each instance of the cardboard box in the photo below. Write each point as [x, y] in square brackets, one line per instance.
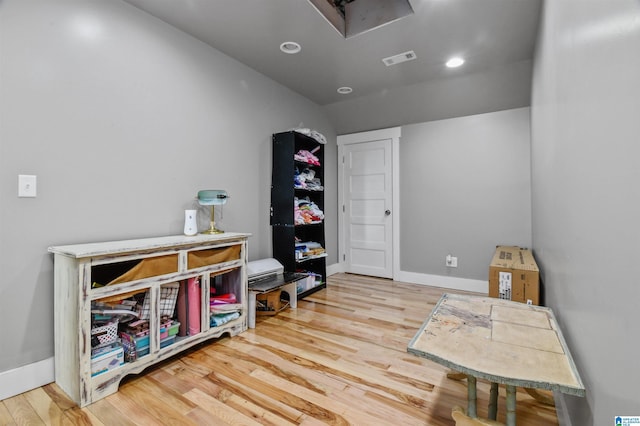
[270, 303]
[514, 275]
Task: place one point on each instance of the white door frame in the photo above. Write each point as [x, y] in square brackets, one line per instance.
[394, 134]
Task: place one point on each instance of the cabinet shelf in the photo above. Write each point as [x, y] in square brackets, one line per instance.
[210, 262]
[312, 191]
[309, 258]
[305, 164]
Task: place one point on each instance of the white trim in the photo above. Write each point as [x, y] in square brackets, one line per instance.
[395, 217]
[372, 135]
[23, 379]
[393, 133]
[452, 283]
[336, 268]
[441, 281]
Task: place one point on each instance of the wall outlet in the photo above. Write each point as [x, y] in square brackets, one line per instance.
[451, 261]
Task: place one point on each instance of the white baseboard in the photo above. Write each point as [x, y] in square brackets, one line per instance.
[23, 379]
[336, 268]
[452, 283]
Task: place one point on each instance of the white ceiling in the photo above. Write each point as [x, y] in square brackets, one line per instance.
[489, 34]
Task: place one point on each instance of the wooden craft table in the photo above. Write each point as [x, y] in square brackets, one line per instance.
[501, 341]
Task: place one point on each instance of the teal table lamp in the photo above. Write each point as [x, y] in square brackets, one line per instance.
[212, 197]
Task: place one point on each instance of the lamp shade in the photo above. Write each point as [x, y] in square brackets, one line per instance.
[212, 197]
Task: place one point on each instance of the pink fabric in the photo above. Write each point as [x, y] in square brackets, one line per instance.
[189, 307]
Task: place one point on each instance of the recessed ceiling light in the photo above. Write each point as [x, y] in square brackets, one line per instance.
[455, 62]
[290, 47]
[345, 90]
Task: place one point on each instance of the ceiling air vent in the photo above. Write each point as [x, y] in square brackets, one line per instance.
[402, 57]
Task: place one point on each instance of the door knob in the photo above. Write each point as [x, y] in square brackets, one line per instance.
[387, 212]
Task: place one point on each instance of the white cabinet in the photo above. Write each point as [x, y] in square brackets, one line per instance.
[139, 266]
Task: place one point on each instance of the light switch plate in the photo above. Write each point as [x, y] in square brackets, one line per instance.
[27, 186]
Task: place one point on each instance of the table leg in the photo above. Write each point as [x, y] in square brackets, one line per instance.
[493, 401]
[511, 405]
[252, 310]
[292, 289]
[471, 397]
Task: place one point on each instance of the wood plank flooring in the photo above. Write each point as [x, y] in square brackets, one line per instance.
[339, 359]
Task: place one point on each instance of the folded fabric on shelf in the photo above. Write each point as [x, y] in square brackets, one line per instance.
[306, 212]
[220, 319]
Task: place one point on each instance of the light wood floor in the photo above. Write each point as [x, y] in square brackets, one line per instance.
[339, 359]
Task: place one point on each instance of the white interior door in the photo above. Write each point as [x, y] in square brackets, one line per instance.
[368, 208]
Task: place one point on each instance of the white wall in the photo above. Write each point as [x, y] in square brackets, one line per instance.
[586, 194]
[465, 187]
[123, 119]
[458, 96]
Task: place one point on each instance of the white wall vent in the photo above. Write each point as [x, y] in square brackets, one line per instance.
[402, 57]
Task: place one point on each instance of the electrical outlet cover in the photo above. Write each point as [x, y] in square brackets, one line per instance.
[27, 185]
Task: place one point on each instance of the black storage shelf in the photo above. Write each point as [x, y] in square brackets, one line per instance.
[313, 191]
[309, 292]
[285, 232]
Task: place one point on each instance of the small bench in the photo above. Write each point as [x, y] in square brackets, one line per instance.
[266, 276]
